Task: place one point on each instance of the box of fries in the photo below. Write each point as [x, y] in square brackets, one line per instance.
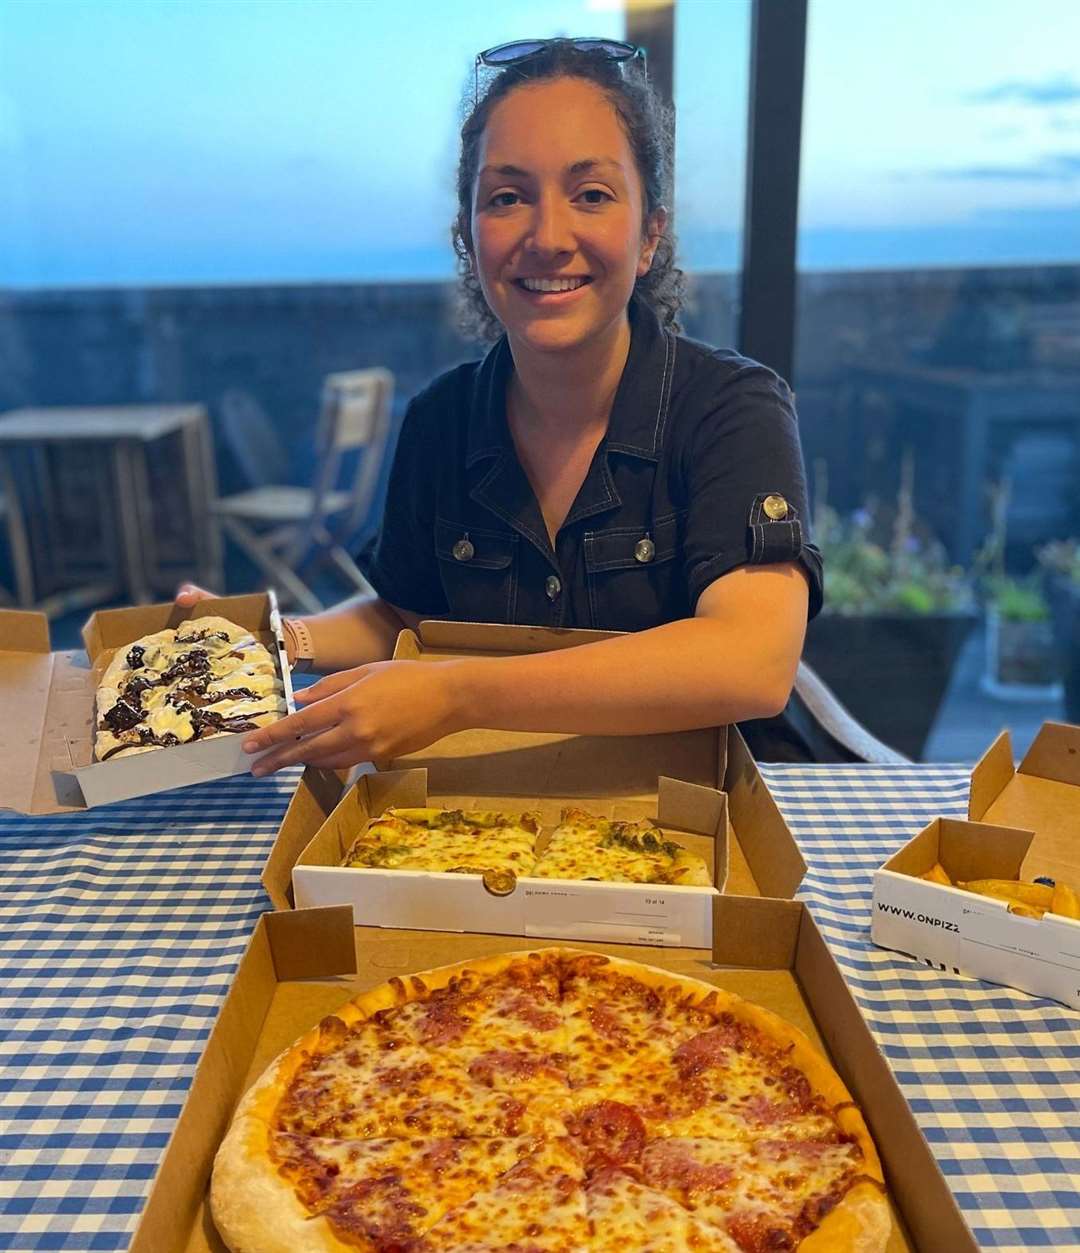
[997, 895]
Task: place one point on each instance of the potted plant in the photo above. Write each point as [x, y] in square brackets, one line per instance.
[1061, 561]
[1020, 662]
[895, 615]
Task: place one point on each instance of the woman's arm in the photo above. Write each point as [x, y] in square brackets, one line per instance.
[735, 659]
[360, 630]
[353, 633]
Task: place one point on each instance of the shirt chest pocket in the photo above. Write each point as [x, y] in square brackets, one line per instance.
[478, 571]
[634, 577]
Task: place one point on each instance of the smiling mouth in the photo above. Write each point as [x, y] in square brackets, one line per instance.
[551, 284]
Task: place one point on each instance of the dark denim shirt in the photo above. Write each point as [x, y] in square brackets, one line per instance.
[678, 493]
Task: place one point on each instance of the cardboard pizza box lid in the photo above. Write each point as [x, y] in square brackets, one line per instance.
[303, 964]
[1041, 795]
[1023, 823]
[764, 858]
[47, 709]
[483, 762]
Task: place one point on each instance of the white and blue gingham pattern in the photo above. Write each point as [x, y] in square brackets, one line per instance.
[122, 928]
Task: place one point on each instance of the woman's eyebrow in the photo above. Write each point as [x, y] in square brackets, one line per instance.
[510, 171]
[584, 166]
[591, 163]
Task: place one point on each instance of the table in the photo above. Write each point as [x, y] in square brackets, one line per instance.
[125, 431]
[123, 928]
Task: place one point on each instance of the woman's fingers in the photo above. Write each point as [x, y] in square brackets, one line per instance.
[188, 594]
[329, 685]
[328, 744]
[305, 722]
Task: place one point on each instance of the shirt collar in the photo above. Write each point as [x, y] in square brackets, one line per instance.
[638, 414]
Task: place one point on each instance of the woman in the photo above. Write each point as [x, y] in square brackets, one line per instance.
[594, 470]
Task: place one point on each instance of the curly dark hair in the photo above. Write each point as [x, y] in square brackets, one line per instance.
[649, 126]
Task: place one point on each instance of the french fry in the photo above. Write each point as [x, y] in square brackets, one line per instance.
[1037, 894]
[1028, 911]
[937, 874]
[1065, 902]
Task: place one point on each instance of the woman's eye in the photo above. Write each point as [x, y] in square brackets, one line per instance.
[595, 195]
[504, 199]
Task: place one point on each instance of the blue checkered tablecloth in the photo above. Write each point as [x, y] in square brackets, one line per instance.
[122, 928]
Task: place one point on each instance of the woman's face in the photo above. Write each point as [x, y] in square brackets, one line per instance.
[557, 222]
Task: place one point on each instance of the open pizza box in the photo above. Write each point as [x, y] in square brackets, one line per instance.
[301, 965]
[47, 709]
[702, 787]
[1022, 823]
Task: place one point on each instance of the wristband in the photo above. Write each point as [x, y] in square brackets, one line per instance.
[303, 649]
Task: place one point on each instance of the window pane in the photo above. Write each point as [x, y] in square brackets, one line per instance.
[222, 204]
[712, 56]
[939, 322]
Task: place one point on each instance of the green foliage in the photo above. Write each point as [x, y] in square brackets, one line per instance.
[864, 576]
[1061, 558]
[1017, 600]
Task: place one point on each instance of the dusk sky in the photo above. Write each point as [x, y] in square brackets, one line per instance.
[198, 141]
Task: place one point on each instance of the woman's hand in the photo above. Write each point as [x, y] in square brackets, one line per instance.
[372, 713]
[188, 594]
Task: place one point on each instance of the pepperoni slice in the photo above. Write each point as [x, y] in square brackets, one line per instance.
[503, 1062]
[709, 1049]
[605, 1022]
[442, 1023]
[671, 1164]
[610, 1133]
[527, 1009]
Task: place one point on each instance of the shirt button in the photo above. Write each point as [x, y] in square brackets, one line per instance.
[644, 550]
[552, 587]
[776, 507]
[463, 550]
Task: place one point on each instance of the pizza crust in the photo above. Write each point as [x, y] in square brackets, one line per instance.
[256, 1210]
[861, 1223]
[254, 1206]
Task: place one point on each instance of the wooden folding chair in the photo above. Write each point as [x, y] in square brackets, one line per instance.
[13, 522]
[285, 529]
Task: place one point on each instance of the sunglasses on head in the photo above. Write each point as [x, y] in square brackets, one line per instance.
[504, 55]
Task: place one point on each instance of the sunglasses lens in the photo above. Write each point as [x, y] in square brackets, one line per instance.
[612, 48]
[507, 54]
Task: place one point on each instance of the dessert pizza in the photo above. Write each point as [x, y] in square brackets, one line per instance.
[206, 677]
[547, 1102]
[481, 841]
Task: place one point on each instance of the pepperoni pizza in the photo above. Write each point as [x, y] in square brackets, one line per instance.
[549, 1102]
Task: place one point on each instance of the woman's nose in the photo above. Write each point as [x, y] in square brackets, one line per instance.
[550, 231]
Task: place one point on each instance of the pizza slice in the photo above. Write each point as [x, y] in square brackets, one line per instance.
[538, 1206]
[622, 1031]
[455, 841]
[584, 846]
[625, 1216]
[378, 1085]
[768, 1192]
[507, 1035]
[389, 1192]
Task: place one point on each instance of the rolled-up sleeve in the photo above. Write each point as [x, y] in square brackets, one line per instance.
[746, 486]
[400, 563]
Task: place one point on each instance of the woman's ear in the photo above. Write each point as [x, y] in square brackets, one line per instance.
[655, 225]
